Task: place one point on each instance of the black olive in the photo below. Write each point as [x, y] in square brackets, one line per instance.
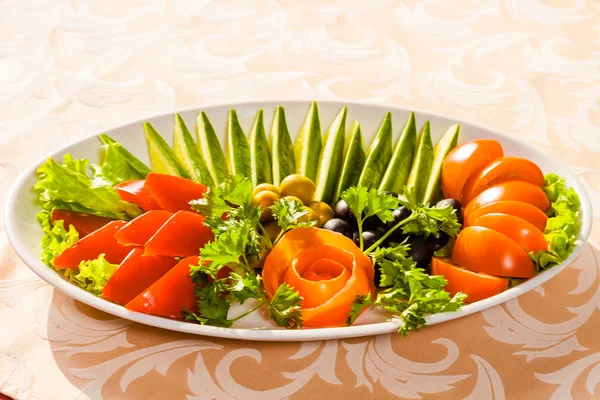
[371, 222]
[340, 226]
[399, 214]
[439, 241]
[370, 237]
[455, 204]
[341, 210]
[355, 238]
[419, 251]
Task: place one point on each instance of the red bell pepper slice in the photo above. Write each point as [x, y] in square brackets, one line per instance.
[90, 247]
[135, 192]
[169, 295]
[138, 231]
[183, 235]
[136, 273]
[173, 193]
[84, 223]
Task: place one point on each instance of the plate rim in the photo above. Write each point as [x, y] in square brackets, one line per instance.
[280, 334]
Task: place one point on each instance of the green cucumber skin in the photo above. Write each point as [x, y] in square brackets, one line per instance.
[282, 149]
[210, 147]
[379, 156]
[354, 160]
[397, 172]
[309, 143]
[238, 149]
[330, 162]
[260, 158]
[422, 163]
[193, 162]
[433, 191]
[133, 161]
[153, 138]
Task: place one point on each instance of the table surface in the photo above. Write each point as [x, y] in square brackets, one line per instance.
[530, 68]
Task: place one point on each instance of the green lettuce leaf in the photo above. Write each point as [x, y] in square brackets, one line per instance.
[56, 238]
[93, 274]
[563, 225]
[114, 168]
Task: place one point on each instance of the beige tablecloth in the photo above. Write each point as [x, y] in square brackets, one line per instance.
[527, 67]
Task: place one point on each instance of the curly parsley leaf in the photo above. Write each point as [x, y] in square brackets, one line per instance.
[428, 220]
[358, 305]
[288, 214]
[213, 307]
[285, 307]
[245, 286]
[365, 202]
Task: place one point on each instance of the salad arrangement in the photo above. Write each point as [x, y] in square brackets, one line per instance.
[311, 232]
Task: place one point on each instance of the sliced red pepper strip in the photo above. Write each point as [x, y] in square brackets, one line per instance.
[183, 235]
[138, 231]
[84, 223]
[173, 193]
[135, 192]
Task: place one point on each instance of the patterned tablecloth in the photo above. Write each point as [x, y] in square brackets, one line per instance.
[528, 67]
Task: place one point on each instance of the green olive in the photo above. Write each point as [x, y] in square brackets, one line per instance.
[265, 199]
[311, 216]
[323, 211]
[299, 186]
[266, 187]
[272, 230]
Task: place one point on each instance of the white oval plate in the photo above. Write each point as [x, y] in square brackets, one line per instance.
[24, 233]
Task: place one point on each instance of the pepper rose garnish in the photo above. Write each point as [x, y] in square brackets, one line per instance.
[325, 267]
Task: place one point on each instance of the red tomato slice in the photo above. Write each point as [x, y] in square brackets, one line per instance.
[515, 191]
[183, 235]
[503, 169]
[475, 285]
[465, 160]
[524, 234]
[135, 192]
[169, 295]
[141, 229]
[174, 193]
[135, 274]
[84, 223]
[90, 247]
[529, 213]
[481, 249]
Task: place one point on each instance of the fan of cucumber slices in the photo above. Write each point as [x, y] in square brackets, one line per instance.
[310, 232]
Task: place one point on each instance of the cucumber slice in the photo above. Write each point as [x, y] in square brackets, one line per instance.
[433, 191]
[330, 162]
[162, 157]
[238, 150]
[380, 154]
[260, 157]
[187, 152]
[397, 171]
[354, 160]
[282, 149]
[307, 148]
[421, 166]
[132, 160]
[211, 150]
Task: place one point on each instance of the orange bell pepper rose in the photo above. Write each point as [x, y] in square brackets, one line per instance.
[325, 267]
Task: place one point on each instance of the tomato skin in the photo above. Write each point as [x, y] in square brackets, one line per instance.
[503, 169]
[465, 160]
[84, 223]
[138, 231]
[135, 274]
[516, 191]
[135, 192]
[183, 235]
[169, 295]
[476, 286]
[481, 249]
[524, 234]
[90, 247]
[173, 193]
[529, 213]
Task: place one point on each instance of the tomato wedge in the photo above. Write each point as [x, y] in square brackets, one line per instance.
[169, 295]
[524, 234]
[516, 191]
[476, 286]
[84, 223]
[173, 193]
[90, 247]
[135, 274]
[481, 249]
[503, 169]
[135, 192]
[183, 235]
[529, 213]
[463, 161]
[326, 268]
[138, 231]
